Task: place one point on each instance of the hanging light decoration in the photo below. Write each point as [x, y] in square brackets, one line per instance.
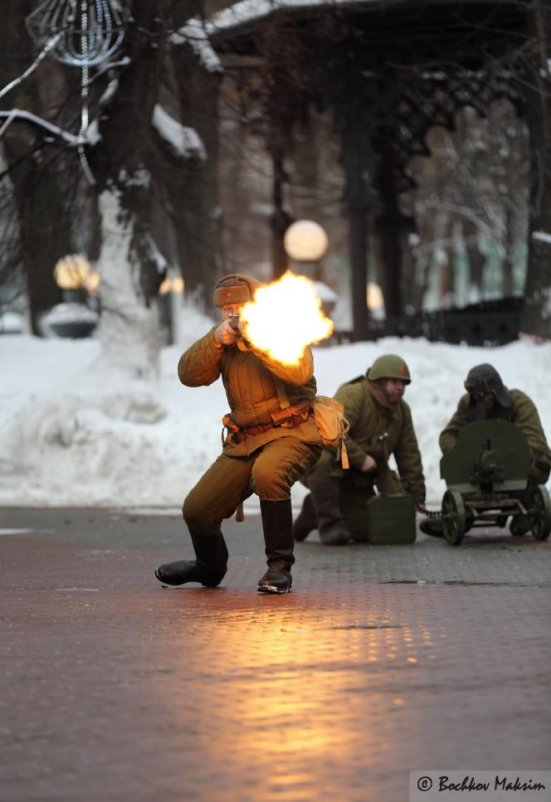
[88, 32]
[80, 33]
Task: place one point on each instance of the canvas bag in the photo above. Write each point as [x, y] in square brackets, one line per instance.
[332, 425]
[329, 418]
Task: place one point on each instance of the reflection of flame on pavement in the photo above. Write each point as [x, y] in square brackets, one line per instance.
[284, 704]
[285, 317]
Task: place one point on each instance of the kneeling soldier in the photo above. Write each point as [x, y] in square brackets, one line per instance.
[380, 425]
[266, 449]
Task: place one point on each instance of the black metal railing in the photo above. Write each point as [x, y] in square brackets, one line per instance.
[495, 322]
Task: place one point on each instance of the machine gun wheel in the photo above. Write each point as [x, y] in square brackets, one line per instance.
[540, 510]
[453, 517]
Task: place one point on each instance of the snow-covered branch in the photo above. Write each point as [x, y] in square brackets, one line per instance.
[154, 254]
[542, 236]
[195, 35]
[461, 211]
[183, 141]
[40, 122]
[50, 44]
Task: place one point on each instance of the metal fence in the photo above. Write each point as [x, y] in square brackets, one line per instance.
[486, 323]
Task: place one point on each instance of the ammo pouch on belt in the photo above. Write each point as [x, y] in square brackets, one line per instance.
[286, 418]
[291, 416]
[332, 425]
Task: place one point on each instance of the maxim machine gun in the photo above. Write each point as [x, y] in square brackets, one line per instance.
[486, 477]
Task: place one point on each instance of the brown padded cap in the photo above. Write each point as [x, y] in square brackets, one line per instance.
[235, 288]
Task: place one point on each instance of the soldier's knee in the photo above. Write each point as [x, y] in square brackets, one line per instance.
[193, 512]
[269, 484]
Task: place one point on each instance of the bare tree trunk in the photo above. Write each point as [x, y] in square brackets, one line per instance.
[129, 329]
[508, 259]
[37, 174]
[280, 218]
[130, 264]
[357, 221]
[477, 260]
[389, 225]
[536, 316]
[280, 115]
[356, 202]
[192, 186]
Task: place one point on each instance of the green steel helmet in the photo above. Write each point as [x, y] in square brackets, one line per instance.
[389, 366]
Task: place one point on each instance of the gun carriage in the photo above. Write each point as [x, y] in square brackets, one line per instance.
[486, 474]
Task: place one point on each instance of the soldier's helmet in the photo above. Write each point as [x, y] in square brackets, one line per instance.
[485, 379]
[389, 366]
[235, 288]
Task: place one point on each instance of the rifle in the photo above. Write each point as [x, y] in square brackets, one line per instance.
[234, 322]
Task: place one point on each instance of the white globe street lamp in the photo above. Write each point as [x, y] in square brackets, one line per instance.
[72, 318]
[305, 241]
[375, 300]
[305, 244]
[71, 272]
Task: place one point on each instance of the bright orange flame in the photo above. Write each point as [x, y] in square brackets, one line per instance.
[285, 317]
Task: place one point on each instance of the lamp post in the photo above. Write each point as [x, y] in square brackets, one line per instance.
[306, 244]
[375, 300]
[73, 318]
[71, 274]
[170, 306]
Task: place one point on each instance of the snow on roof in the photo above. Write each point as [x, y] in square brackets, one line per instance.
[184, 141]
[194, 34]
[247, 11]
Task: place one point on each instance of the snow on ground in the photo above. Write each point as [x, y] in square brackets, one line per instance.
[74, 434]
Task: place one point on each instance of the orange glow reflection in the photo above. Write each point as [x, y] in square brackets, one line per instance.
[278, 697]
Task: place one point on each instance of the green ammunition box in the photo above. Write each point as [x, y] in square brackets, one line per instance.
[391, 520]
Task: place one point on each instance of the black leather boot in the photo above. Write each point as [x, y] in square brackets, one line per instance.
[306, 521]
[209, 568]
[277, 522]
[326, 496]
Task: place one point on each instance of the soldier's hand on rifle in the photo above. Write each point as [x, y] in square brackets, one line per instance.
[225, 333]
[369, 465]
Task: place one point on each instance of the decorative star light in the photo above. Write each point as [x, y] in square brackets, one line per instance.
[86, 32]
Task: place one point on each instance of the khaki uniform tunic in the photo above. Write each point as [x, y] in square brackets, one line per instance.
[266, 463]
[376, 431]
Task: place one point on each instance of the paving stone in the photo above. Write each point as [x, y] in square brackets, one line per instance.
[382, 660]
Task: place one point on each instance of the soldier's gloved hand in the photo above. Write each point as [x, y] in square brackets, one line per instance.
[225, 334]
[420, 507]
[369, 465]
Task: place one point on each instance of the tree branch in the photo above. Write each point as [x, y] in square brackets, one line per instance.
[33, 119]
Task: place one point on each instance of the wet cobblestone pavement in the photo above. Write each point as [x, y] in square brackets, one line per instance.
[382, 660]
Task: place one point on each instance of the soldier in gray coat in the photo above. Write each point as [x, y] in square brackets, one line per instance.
[487, 398]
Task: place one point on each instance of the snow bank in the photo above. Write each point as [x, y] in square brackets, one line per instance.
[76, 434]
